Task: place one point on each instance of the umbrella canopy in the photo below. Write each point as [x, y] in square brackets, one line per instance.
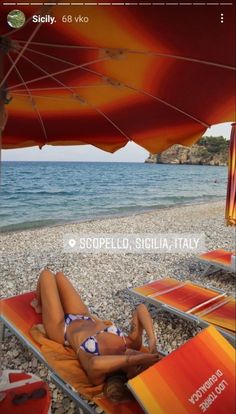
[230, 211]
[156, 76]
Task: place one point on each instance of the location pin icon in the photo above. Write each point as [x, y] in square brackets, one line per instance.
[72, 242]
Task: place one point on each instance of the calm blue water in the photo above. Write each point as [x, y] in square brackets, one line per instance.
[35, 194]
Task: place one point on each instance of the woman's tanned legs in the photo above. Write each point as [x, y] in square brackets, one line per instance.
[70, 298]
[52, 311]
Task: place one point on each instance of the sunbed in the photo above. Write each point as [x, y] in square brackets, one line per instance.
[192, 302]
[19, 317]
[214, 354]
[217, 260]
[199, 377]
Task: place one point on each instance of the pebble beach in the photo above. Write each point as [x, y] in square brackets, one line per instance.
[103, 280]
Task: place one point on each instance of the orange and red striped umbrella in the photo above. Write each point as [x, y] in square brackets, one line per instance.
[230, 211]
[153, 75]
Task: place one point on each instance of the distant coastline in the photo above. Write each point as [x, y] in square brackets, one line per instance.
[208, 151]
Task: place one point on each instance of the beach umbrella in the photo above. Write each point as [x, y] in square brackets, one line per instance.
[106, 75]
[230, 211]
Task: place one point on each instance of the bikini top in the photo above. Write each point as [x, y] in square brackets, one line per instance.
[90, 344]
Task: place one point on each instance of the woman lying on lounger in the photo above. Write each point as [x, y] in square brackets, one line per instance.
[101, 349]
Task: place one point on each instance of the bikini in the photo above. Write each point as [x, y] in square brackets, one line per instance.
[90, 344]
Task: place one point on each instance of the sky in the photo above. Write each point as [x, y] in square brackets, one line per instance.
[130, 153]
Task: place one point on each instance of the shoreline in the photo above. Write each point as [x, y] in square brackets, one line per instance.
[108, 217]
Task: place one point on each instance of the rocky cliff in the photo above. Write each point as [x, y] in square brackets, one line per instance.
[198, 154]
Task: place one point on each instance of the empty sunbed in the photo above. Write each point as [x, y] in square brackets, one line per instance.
[217, 260]
[192, 302]
[199, 377]
[20, 317]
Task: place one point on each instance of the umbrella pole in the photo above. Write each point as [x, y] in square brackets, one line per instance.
[4, 47]
[1, 110]
[230, 209]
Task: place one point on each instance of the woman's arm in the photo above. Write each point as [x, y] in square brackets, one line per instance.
[142, 321]
[100, 366]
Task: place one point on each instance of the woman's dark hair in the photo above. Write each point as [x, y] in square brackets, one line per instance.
[115, 388]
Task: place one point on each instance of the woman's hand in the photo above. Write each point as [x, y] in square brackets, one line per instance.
[143, 358]
[142, 321]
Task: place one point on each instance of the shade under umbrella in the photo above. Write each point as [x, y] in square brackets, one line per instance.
[153, 75]
[230, 211]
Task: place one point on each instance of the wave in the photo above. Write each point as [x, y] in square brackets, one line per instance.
[86, 191]
[27, 225]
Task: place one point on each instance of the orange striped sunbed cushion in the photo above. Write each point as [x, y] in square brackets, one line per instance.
[157, 286]
[222, 314]
[180, 295]
[220, 257]
[182, 382]
[192, 299]
[20, 314]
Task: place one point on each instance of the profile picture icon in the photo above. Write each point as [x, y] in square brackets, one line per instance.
[16, 19]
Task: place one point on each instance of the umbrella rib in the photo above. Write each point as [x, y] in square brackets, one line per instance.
[140, 52]
[62, 87]
[56, 45]
[56, 98]
[52, 57]
[20, 54]
[45, 72]
[33, 103]
[176, 108]
[185, 58]
[154, 97]
[109, 120]
[59, 72]
[11, 32]
[53, 77]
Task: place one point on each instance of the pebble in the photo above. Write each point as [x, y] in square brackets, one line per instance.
[59, 410]
[34, 362]
[103, 279]
[15, 353]
[54, 394]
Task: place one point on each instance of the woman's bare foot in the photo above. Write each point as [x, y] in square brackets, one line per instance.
[35, 304]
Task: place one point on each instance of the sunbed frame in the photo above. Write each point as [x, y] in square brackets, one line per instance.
[213, 267]
[192, 318]
[81, 405]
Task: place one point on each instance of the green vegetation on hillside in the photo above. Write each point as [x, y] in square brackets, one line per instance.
[214, 145]
[207, 151]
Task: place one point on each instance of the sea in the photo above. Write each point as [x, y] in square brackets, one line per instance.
[38, 194]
